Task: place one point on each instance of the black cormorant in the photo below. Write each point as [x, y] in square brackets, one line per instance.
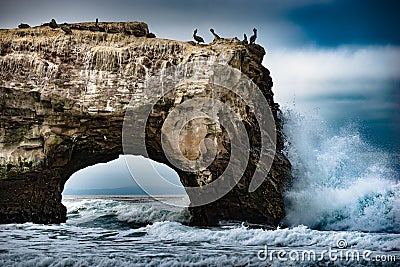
[253, 37]
[197, 38]
[245, 39]
[216, 36]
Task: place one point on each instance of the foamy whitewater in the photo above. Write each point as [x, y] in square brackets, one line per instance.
[344, 199]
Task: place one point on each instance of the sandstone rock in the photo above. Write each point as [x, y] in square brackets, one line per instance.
[23, 26]
[79, 27]
[53, 24]
[66, 29]
[94, 28]
[113, 30]
[62, 105]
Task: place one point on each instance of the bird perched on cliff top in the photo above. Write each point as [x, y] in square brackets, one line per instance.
[53, 24]
[66, 29]
[245, 39]
[96, 27]
[253, 37]
[216, 36]
[197, 38]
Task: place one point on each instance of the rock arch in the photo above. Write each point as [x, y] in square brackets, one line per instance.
[63, 101]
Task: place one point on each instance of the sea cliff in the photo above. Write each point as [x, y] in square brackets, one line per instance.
[63, 99]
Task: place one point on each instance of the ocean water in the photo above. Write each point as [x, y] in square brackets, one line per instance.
[343, 209]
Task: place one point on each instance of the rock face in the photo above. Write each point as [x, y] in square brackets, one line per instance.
[63, 99]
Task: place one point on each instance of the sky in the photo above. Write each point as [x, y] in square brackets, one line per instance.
[339, 59]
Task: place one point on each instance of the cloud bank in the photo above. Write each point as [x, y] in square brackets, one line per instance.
[348, 70]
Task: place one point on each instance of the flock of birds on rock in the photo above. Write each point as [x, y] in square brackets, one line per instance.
[199, 39]
[68, 30]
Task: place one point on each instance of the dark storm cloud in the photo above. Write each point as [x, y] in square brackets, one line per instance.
[350, 22]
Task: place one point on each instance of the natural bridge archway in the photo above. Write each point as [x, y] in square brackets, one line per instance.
[64, 105]
[114, 178]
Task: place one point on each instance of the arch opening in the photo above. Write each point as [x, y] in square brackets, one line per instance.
[114, 178]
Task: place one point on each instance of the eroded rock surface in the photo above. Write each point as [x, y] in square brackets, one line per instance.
[63, 100]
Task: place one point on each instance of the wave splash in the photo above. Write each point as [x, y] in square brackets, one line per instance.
[340, 181]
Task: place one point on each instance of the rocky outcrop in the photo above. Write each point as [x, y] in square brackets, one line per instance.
[63, 99]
